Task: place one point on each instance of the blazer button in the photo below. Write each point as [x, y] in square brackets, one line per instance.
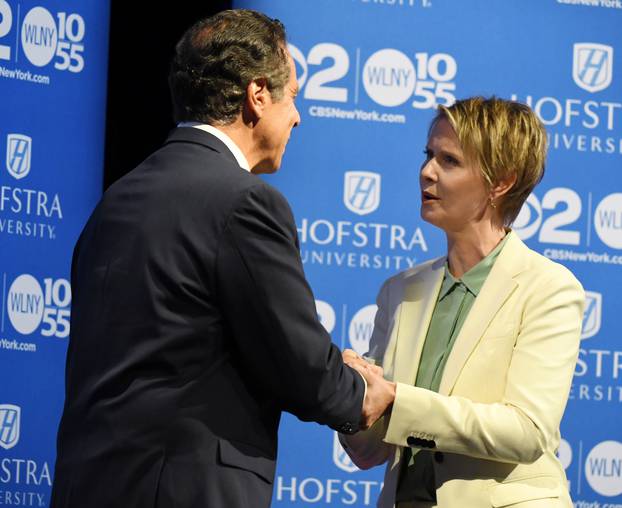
[415, 441]
[439, 457]
[431, 443]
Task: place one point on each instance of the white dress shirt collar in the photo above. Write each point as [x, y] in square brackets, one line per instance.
[237, 153]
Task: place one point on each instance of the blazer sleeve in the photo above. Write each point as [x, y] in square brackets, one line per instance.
[367, 448]
[525, 422]
[269, 306]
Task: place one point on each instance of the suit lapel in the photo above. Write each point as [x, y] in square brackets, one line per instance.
[416, 309]
[497, 288]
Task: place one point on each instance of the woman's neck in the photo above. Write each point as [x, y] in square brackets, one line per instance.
[467, 248]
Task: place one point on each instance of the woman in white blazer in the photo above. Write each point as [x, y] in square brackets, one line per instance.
[481, 343]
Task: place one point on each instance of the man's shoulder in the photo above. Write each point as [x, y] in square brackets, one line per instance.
[256, 197]
[187, 166]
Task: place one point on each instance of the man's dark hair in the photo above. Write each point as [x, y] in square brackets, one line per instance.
[218, 57]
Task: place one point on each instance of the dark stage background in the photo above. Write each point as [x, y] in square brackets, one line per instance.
[142, 42]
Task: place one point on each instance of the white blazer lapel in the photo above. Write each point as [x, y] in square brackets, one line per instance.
[419, 300]
[499, 285]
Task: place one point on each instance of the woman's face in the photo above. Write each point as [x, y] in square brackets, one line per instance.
[454, 196]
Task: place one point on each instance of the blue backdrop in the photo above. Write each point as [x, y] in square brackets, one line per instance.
[53, 61]
[371, 72]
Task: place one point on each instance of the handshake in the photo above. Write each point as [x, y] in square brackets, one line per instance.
[380, 393]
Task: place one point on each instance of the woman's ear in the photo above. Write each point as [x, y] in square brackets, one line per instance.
[502, 187]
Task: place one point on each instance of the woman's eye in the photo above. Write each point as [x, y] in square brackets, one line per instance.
[451, 160]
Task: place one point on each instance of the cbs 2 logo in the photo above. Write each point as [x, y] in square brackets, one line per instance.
[529, 220]
[607, 218]
[43, 38]
[389, 76]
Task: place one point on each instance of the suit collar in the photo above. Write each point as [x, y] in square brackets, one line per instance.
[415, 313]
[224, 137]
[499, 285]
[513, 259]
[474, 279]
[420, 296]
[200, 137]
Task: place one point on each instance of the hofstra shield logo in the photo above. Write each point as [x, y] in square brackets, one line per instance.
[592, 314]
[361, 191]
[9, 425]
[18, 148]
[592, 66]
[340, 457]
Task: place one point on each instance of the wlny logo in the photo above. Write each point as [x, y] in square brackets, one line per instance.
[361, 328]
[18, 151]
[592, 66]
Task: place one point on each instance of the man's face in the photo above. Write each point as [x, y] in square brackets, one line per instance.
[276, 124]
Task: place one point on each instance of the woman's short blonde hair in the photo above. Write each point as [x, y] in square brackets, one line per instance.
[504, 138]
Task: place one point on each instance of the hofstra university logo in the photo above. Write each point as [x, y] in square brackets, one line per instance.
[361, 191]
[592, 314]
[592, 66]
[9, 425]
[18, 149]
[340, 457]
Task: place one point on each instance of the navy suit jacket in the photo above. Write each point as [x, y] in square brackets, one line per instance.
[193, 328]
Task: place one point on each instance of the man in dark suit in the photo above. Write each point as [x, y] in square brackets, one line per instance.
[192, 324]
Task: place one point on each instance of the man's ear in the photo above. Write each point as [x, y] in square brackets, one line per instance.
[257, 98]
[503, 186]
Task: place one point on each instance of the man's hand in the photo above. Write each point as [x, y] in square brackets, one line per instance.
[380, 392]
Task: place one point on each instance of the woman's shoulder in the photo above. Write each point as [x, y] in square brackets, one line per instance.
[409, 275]
[547, 271]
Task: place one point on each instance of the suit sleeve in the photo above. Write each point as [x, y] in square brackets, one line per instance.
[525, 422]
[270, 308]
[367, 448]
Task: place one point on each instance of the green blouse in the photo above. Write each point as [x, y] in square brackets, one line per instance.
[454, 302]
